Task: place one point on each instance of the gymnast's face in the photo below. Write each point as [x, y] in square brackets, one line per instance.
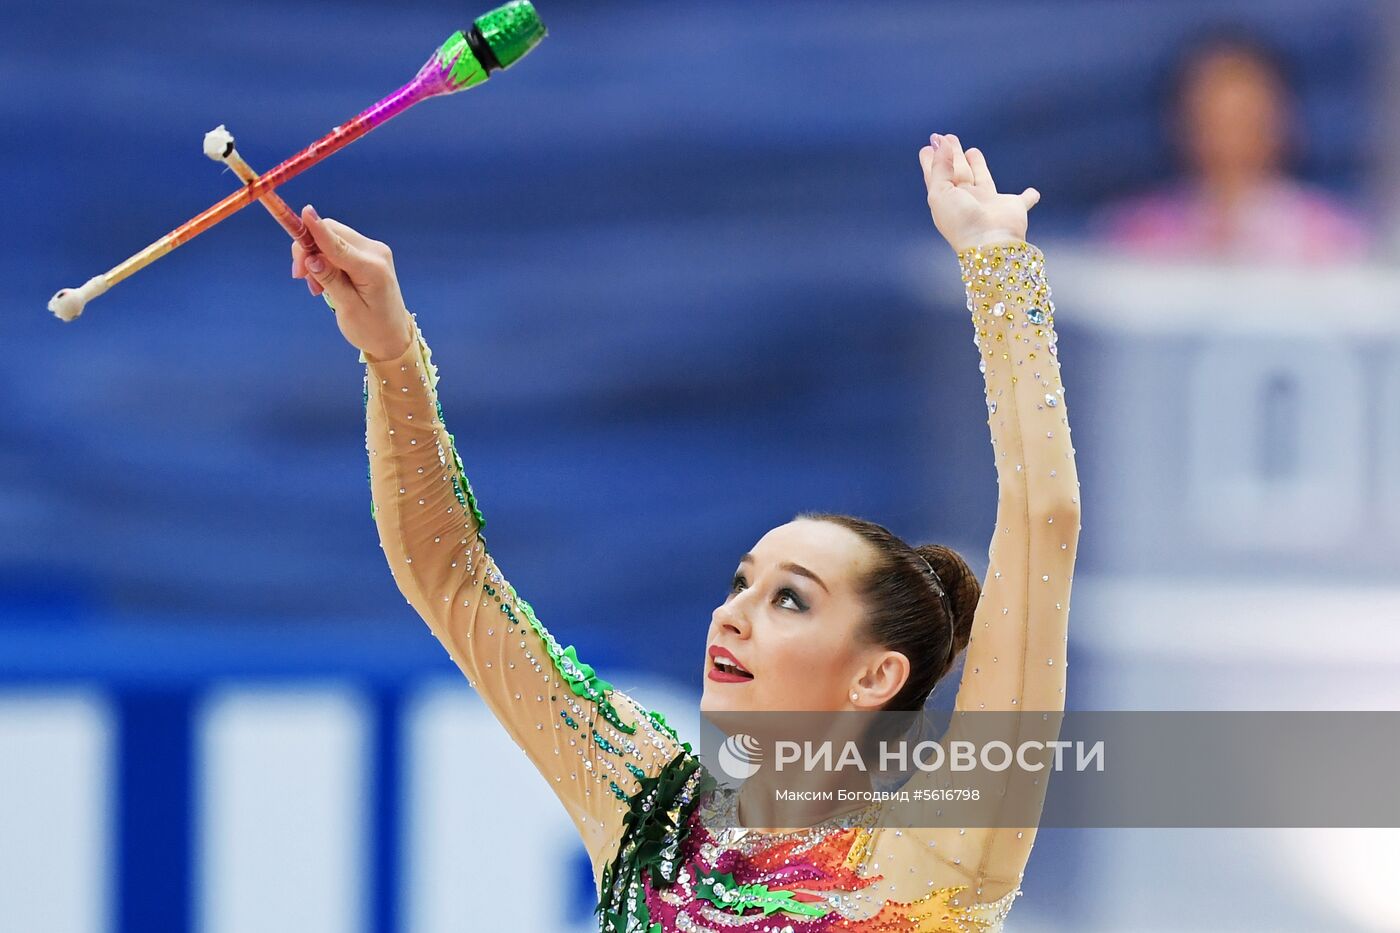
[794, 623]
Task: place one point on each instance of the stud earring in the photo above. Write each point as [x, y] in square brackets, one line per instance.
[854, 696]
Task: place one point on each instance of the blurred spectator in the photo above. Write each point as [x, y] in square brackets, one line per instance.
[1231, 117]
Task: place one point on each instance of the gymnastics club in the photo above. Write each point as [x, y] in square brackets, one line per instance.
[219, 146]
[495, 41]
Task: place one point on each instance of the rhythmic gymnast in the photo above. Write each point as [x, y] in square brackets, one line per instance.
[825, 613]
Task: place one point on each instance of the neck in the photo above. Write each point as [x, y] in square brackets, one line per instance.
[794, 799]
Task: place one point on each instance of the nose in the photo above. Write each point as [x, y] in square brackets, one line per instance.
[731, 616]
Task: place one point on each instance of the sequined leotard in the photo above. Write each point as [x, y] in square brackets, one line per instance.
[642, 803]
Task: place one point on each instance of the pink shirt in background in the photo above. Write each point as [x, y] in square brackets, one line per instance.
[1283, 221]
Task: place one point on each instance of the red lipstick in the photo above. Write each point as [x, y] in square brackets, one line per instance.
[725, 668]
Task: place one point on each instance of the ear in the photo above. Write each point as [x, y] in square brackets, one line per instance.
[884, 677]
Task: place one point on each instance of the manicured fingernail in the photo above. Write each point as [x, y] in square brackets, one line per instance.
[933, 140]
[312, 211]
[315, 263]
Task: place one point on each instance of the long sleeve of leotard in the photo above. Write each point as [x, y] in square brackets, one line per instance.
[1016, 657]
[591, 743]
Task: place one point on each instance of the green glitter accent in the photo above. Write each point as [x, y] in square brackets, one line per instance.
[727, 894]
[465, 71]
[618, 792]
[569, 719]
[511, 30]
[605, 745]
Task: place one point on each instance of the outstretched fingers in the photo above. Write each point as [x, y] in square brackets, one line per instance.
[937, 162]
[963, 198]
[981, 175]
[962, 169]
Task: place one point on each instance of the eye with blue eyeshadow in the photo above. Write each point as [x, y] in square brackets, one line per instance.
[790, 595]
[786, 597]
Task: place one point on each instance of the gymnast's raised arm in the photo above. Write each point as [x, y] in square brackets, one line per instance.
[1016, 656]
[592, 744]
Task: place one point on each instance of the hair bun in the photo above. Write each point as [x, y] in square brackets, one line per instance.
[961, 585]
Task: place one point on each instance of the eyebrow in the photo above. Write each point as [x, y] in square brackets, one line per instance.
[795, 568]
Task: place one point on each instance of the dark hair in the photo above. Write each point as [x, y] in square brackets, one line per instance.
[1222, 39]
[921, 600]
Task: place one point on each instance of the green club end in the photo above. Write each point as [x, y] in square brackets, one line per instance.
[511, 31]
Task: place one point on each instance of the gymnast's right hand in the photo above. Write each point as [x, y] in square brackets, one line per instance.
[357, 274]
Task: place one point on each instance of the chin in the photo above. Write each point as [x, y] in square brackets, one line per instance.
[709, 702]
[716, 699]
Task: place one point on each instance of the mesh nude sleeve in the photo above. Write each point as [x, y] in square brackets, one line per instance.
[591, 743]
[1016, 657]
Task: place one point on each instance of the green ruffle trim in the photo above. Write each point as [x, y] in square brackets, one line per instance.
[583, 681]
[369, 469]
[461, 486]
[660, 722]
[653, 829]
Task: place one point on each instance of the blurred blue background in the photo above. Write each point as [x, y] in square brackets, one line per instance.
[681, 282]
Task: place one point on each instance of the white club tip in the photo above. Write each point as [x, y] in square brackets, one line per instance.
[218, 143]
[68, 303]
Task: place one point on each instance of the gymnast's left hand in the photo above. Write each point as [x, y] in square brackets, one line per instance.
[357, 274]
[963, 198]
